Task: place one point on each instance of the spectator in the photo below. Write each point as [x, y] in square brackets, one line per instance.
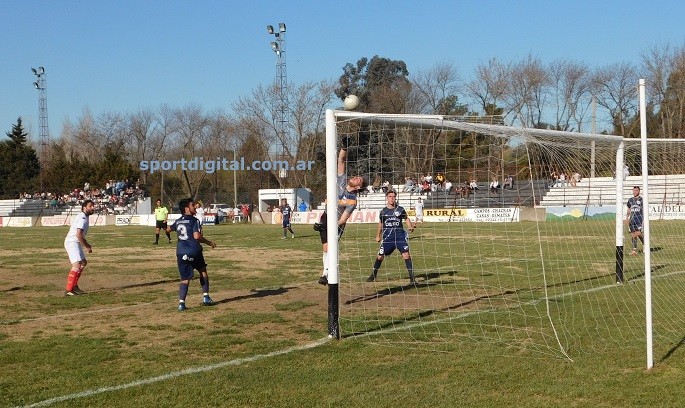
[303, 206]
[473, 186]
[562, 179]
[553, 178]
[439, 179]
[509, 182]
[448, 187]
[626, 171]
[376, 186]
[245, 210]
[408, 185]
[386, 186]
[494, 185]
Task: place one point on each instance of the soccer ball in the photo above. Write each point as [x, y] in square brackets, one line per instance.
[351, 102]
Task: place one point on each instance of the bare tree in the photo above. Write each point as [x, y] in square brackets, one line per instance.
[436, 90]
[569, 93]
[527, 94]
[615, 88]
[490, 86]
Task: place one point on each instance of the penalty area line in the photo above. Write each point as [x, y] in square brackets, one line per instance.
[175, 374]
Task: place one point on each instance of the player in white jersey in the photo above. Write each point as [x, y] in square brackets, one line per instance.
[74, 243]
[418, 208]
[199, 212]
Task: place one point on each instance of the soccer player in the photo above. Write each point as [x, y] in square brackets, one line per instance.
[347, 202]
[286, 211]
[634, 218]
[418, 208]
[392, 235]
[199, 212]
[189, 252]
[161, 216]
[74, 243]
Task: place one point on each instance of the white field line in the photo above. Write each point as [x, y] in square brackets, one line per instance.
[175, 374]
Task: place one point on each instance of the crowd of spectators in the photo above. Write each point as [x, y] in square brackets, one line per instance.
[116, 197]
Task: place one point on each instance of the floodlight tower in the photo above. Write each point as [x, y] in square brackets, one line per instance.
[281, 99]
[40, 85]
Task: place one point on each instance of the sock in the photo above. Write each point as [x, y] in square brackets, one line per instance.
[641, 239]
[168, 236]
[78, 275]
[325, 264]
[410, 267]
[71, 280]
[377, 266]
[284, 232]
[182, 292]
[204, 281]
[634, 243]
[156, 237]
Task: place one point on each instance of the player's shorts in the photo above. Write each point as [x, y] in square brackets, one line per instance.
[286, 224]
[75, 252]
[635, 226]
[389, 246]
[186, 265]
[323, 234]
[161, 224]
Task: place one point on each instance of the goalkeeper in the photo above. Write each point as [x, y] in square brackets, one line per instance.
[393, 235]
[347, 202]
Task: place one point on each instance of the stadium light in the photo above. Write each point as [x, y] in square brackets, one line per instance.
[280, 98]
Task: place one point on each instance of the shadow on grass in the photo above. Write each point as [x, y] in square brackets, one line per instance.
[490, 296]
[256, 293]
[135, 285]
[402, 288]
[672, 350]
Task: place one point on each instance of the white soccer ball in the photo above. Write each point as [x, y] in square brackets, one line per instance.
[351, 102]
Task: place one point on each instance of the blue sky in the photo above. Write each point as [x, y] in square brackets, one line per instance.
[120, 56]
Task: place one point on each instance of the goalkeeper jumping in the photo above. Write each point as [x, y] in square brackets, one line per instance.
[347, 202]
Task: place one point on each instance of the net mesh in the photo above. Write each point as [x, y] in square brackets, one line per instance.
[518, 240]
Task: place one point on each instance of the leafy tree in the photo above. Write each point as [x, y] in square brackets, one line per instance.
[19, 165]
[380, 83]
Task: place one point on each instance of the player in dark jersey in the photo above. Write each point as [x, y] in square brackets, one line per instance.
[189, 252]
[286, 212]
[634, 218]
[347, 202]
[392, 235]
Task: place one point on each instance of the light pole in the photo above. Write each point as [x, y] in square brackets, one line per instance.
[281, 99]
[43, 114]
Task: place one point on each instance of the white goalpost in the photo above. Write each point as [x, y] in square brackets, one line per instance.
[509, 251]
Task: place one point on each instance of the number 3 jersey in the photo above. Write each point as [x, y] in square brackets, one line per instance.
[392, 218]
[187, 244]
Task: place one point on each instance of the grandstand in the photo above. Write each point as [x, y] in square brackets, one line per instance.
[595, 191]
[599, 191]
[523, 194]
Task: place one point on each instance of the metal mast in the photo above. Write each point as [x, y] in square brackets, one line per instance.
[281, 83]
[40, 85]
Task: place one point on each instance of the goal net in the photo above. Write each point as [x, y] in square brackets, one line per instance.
[520, 244]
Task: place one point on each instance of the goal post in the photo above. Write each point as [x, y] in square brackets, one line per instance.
[509, 250]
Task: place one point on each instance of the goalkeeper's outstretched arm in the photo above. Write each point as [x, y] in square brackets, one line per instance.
[342, 155]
